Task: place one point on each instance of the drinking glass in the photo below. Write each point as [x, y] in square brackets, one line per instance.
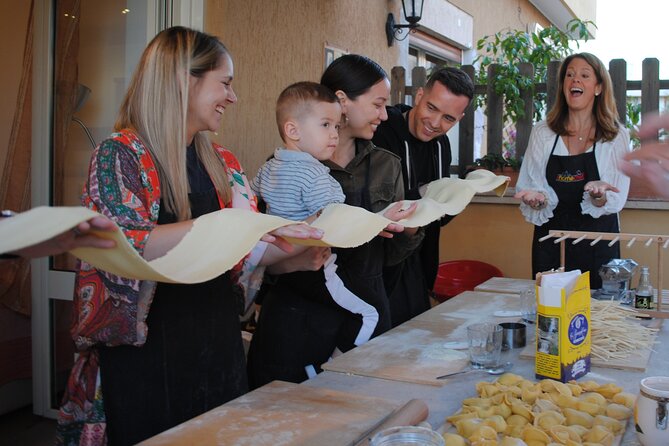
[485, 344]
[407, 435]
[528, 305]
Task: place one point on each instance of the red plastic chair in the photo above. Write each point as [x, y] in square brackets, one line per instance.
[457, 276]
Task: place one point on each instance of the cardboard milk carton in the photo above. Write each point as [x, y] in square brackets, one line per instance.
[563, 326]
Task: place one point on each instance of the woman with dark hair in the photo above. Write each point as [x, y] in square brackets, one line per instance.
[300, 327]
[570, 177]
[153, 355]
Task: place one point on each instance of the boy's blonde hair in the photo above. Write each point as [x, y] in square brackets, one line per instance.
[295, 101]
[155, 108]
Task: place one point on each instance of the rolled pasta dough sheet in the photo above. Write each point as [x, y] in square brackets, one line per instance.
[346, 226]
[450, 196]
[217, 241]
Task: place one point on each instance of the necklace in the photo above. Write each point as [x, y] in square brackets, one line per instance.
[582, 138]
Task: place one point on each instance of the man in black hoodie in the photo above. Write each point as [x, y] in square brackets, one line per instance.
[418, 136]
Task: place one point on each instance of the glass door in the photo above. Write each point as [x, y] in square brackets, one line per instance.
[85, 53]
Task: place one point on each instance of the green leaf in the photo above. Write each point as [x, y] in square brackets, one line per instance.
[509, 48]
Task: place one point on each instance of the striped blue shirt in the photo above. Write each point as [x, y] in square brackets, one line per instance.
[295, 185]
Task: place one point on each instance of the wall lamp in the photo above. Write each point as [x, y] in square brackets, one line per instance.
[393, 31]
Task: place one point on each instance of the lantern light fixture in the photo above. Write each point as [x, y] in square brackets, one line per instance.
[413, 16]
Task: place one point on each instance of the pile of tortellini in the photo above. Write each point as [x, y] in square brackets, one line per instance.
[513, 411]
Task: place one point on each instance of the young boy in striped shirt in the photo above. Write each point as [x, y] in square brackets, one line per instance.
[295, 185]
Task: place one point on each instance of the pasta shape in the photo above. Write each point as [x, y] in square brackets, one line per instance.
[618, 411]
[593, 397]
[546, 420]
[484, 435]
[453, 440]
[542, 405]
[562, 434]
[550, 386]
[577, 417]
[511, 441]
[513, 411]
[468, 427]
[611, 424]
[626, 399]
[531, 433]
[599, 434]
[609, 390]
[497, 422]
[530, 394]
[510, 379]
[591, 408]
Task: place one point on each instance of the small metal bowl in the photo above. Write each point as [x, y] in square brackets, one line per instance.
[514, 335]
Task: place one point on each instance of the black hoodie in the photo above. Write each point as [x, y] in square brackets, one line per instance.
[393, 135]
[408, 284]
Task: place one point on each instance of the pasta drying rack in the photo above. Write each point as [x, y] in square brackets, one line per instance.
[661, 242]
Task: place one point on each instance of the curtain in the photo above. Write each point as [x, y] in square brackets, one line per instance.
[15, 180]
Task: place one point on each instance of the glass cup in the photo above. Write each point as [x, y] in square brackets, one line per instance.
[528, 305]
[407, 435]
[485, 344]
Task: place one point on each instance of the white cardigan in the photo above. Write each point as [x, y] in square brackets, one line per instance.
[533, 173]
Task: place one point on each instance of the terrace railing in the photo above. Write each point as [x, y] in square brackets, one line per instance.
[649, 85]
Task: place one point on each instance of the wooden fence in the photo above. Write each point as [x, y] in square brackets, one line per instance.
[649, 85]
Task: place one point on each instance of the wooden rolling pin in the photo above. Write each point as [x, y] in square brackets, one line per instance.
[412, 413]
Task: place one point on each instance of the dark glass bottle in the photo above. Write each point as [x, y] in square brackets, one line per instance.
[644, 291]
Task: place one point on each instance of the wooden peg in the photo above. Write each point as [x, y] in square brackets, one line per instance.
[595, 241]
[545, 237]
[613, 242]
[648, 242]
[579, 239]
[564, 237]
[631, 242]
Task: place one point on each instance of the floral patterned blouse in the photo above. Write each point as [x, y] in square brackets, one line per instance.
[109, 310]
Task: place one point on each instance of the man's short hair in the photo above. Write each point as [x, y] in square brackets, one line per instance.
[456, 80]
[295, 100]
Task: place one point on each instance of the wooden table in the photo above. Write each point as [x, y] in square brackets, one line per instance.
[445, 400]
[505, 285]
[420, 349]
[282, 414]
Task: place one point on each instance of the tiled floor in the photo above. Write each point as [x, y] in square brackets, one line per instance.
[23, 428]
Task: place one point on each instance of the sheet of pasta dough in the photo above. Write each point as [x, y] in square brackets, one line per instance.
[211, 247]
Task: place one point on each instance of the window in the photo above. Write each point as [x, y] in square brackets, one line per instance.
[429, 52]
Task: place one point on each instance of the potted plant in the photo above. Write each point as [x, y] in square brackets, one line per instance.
[493, 162]
[510, 48]
[501, 165]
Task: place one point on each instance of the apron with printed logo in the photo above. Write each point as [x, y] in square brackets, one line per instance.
[568, 175]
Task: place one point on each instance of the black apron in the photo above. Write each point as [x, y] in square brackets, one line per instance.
[361, 269]
[410, 282]
[193, 358]
[567, 175]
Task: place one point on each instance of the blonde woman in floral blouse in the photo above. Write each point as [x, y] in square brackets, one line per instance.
[153, 355]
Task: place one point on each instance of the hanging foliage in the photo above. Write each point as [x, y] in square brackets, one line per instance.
[509, 49]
